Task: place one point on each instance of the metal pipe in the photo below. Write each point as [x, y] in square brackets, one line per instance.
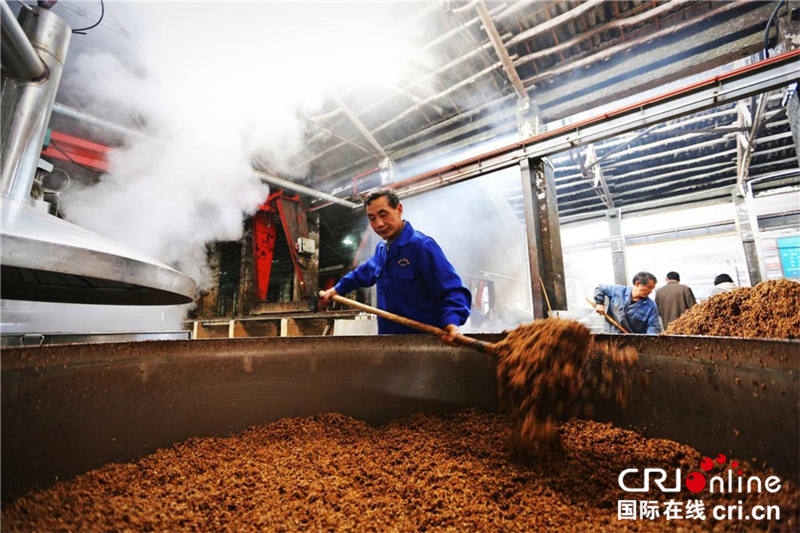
[280, 182]
[501, 276]
[26, 106]
[465, 8]
[744, 162]
[103, 124]
[20, 60]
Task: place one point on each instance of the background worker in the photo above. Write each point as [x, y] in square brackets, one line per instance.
[723, 283]
[630, 306]
[673, 299]
[414, 278]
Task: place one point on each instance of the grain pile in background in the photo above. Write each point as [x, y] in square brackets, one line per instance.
[423, 473]
[553, 368]
[770, 310]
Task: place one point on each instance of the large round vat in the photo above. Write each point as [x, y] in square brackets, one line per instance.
[69, 409]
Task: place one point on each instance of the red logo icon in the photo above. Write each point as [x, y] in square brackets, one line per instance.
[696, 482]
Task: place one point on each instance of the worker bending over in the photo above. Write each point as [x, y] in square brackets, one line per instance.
[630, 306]
[414, 277]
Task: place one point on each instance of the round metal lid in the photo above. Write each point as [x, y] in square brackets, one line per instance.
[47, 259]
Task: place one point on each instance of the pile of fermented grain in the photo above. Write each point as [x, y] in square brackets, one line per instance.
[333, 473]
[553, 368]
[770, 310]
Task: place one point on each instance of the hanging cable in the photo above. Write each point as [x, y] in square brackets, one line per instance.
[82, 31]
[57, 147]
[769, 26]
[69, 180]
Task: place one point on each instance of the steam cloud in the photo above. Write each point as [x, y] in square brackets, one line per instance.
[213, 85]
[480, 235]
[216, 85]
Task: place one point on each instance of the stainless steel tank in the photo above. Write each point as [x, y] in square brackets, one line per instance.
[44, 258]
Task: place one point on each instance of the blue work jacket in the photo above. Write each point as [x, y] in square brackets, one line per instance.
[415, 280]
[636, 317]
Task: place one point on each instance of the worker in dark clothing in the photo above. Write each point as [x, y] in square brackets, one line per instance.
[414, 277]
[722, 284]
[673, 299]
[630, 306]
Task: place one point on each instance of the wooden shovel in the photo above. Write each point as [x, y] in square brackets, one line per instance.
[469, 342]
[594, 304]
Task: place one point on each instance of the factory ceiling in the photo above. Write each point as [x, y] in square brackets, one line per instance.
[570, 59]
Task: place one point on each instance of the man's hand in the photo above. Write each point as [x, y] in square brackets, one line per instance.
[601, 309]
[452, 330]
[325, 298]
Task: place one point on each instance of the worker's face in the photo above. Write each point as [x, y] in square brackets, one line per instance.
[643, 291]
[386, 221]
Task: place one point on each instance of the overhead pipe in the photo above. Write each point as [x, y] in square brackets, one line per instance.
[265, 177]
[106, 125]
[465, 8]
[27, 105]
[20, 60]
[286, 184]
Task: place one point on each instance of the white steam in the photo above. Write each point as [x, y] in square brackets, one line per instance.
[217, 84]
[214, 85]
[482, 238]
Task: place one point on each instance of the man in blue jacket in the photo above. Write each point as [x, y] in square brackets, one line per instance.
[630, 306]
[414, 277]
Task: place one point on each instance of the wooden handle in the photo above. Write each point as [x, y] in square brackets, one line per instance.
[469, 342]
[595, 304]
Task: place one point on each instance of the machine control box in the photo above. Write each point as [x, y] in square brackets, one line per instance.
[305, 246]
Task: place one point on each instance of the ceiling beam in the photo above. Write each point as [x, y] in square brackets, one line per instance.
[618, 24]
[668, 73]
[359, 126]
[500, 49]
[656, 66]
[339, 136]
[718, 90]
[555, 22]
[607, 53]
[449, 90]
